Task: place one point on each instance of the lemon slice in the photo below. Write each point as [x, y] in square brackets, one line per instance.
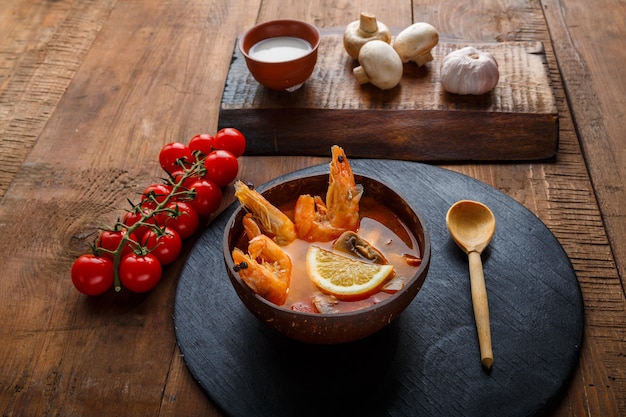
[342, 276]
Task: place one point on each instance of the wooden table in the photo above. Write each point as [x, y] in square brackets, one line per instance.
[91, 90]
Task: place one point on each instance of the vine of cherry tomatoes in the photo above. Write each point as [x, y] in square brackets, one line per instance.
[149, 236]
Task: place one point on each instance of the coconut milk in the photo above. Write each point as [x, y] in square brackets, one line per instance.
[280, 49]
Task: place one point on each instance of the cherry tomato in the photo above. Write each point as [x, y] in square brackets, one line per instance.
[164, 243]
[203, 143]
[155, 194]
[231, 140]
[173, 154]
[92, 275]
[130, 218]
[208, 196]
[182, 218]
[111, 239]
[221, 167]
[140, 273]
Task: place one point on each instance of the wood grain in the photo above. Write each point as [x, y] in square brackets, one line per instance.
[36, 66]
[416, 121]
[568, 194]
[114, 127]
[591, 61]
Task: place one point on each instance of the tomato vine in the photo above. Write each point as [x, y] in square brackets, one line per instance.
[132, 252]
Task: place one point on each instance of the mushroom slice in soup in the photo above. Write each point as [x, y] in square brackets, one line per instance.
[350, 242]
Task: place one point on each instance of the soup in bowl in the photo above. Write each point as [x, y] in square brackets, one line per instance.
[311, 314]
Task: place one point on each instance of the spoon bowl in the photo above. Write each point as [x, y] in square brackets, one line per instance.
[472, 226]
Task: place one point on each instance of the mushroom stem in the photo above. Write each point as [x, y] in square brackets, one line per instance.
[423, 58]
[368, 23]
[360, 75]
[364, 30]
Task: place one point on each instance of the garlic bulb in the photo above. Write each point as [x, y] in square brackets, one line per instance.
[469, 71]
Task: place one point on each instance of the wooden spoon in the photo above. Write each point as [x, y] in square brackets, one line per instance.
[472, 225]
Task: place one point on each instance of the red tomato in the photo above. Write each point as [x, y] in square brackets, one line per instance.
[92, 275]
[130, 218]
[155, 194]
[182, 218]
[140, 273]
[203, 143]
[164, 243]
[110, 240]
[173, 155]
[221, 167]
[208, 197]
[230, 139]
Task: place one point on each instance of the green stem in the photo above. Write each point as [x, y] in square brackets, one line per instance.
[195, 169]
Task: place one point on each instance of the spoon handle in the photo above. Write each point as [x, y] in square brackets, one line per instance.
[481, 308]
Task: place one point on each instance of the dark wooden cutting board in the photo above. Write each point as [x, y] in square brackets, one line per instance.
[425, 363]
[415, 121]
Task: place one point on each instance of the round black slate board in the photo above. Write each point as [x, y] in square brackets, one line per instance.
[426, 362]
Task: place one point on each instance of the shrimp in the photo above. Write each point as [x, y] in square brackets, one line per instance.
[312, 221]
[316, 221]
[343, 195]
[266, 268]
[271, 220]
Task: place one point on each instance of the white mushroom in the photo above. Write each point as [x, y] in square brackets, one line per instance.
[361, 31]
[416, 42]
[469, 71]
[380, 65]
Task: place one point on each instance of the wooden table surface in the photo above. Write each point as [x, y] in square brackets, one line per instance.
[91, 90]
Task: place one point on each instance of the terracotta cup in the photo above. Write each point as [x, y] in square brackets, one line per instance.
[285, 75]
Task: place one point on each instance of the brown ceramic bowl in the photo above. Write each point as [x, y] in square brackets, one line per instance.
[339, 327]
[287, 74]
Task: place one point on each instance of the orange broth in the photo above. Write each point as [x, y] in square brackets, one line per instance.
[381, 228]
